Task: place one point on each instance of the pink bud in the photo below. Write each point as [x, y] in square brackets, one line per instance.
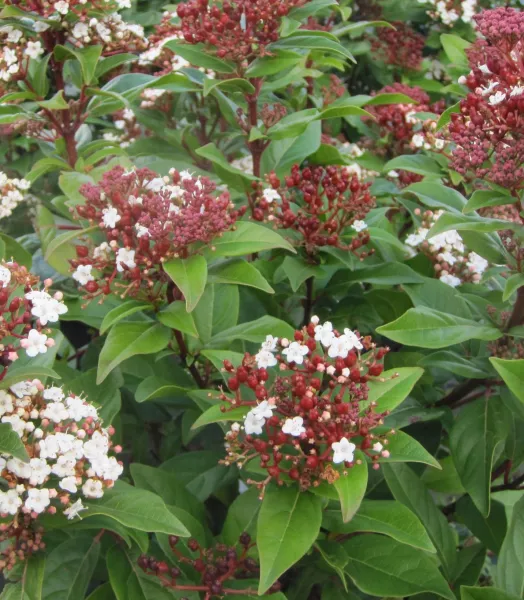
[53, 493]
[24, 343]
[12, 356]
[50, 342]
[45, 422]
[51, 510]
[48, 282]
[117, 449]
[58, 296]
[385, 453]
[376, 466]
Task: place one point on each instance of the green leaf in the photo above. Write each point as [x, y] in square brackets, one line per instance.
[484, 593]
[293, 124]
[454, 47]
[393, 387]
[512, 285]
[454, 363]
[308, 41]
[15, 251]
[386, 274]
[136, 508]
[228, 85]
[297, 270]
[403, 448]
[489, 530]
[414, 163]
[445, 117]
[128, 308]
[484, 198]
[235, 178]
[248, 238]
[239, 272]
[10, 443]
[155, 387]
[190, 276]
[429, 328]
[335, 557]
[510, 566]
[387, 517]
[512, 372]
[436, 195]
[176, 316]
[288, 524]
[269, 65]
[17, 374]
[242, 516]
[470, 561]
[61, 247]
[253, 331]
[129, 339]
[87, 57]
[448, 222]
[46, 165]
[407, 488]
[57, 102]
[69, 567]
[381, 566]
[351, 489]
[112, 62]
[476, 440]
[215, 415]
[198, 56]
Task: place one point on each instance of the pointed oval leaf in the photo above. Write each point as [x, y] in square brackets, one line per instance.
[190, 276]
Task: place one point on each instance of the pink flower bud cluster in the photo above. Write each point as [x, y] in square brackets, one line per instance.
[311, 410]
[67, 459]
[12, 193]
[399, 47]
[452, 261]
[399, 128]
[239, 30]
[146, 220]
[488, 131]
[25, 311]
[331, 201]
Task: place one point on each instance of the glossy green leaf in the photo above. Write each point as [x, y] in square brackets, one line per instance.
[512, 372]
[297, 270]
[509, 575]
[11, 444]
[248, 238]
[392, 387]
[489, 530]
[190, 276]
[485, 198]
[386, 274]
[404, 448]
[381, 566]
[454, 47]
[155, 387]
[176, 316]
[351, 488]
[448, 222]
[17, 374]
[253, 331]
[239, 272]
[198, 56]
[119, 313]
[129, 339]
[288, 524]
[414, 163]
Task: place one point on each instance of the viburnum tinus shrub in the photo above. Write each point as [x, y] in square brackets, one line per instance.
[261, 300]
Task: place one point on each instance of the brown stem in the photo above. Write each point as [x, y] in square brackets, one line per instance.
[308, 303]
[183, 355]
[460, 392]
[517, 316]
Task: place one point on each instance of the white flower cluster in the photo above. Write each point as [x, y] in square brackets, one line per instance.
[150, 96]
[67, 449]
[496, 97]
[448, 12]
[13, 48]
[127, 126]
[11, 194]
[245, 164]
[110, 29]
[453, 263]
[154, 53]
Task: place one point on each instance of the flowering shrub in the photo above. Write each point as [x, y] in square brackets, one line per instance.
[261, 299]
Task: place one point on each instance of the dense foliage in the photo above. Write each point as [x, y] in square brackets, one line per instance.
[261, 299]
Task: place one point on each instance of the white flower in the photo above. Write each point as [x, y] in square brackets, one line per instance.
[55, 394]
[10, 502]
[324, 334]
[40, 26]
[34, 344]
[252, 424]
[62, 7]
[270, 195]
[448, 257]
[74, 510]
[343, 451]
[294, 426]
[56, 412]
[359, 226]
[6, 402]
[48, 311]
[497, 98]
[484, 69]
[517, 90]
[77, 409]
[37, 500]
[112, 469]
[295, 352]
[49, 447]
[264, 410]
[5, 276]
[377, 447]
[265, 359]
[92, 489]
[33, 49]
[98, 445]
[476, 263]
[19, 468]
[156, 184]
[69, 485]
[25, 388]
[65, 465]
[439, 144]
[83, 274]
[450, 279]
[66, 441]
[110, 217]
[340, 347]
[125, 257]
[270, 343]
[80, 30]
[417, 140]
[235, 427]
[185, 175]
[39, 471]
[102, 251]
[141, 231]
[352, 339]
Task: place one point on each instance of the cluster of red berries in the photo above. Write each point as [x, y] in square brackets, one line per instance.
[146, 220]
[488, 131]
[400, 47]
[240, 30]
[215, 566]
[397, 123]
[331, 203]
[21, 538]
[311, 413]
